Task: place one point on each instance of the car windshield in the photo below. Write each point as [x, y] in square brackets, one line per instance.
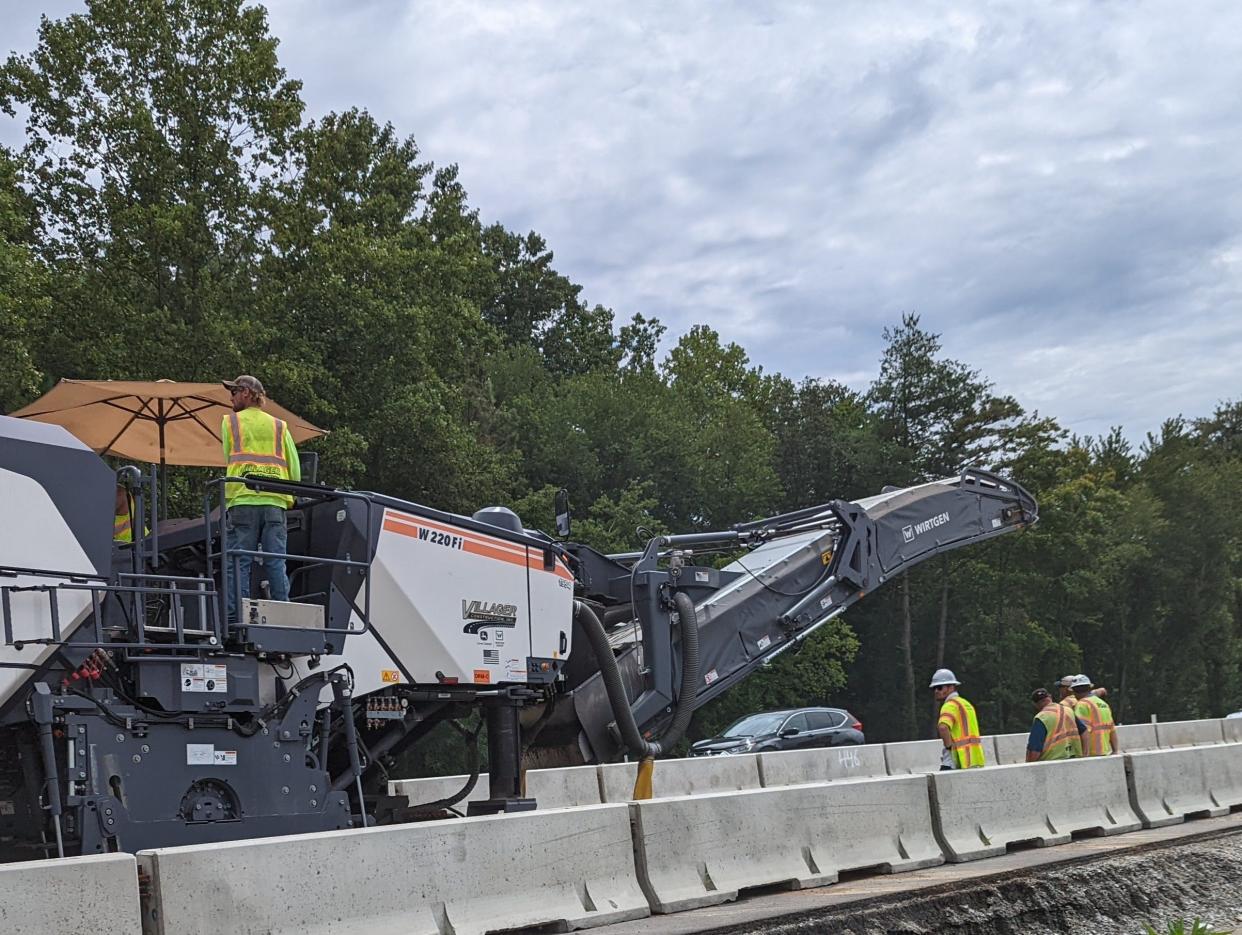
[754, 725]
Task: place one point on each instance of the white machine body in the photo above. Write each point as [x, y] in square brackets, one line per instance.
[452, 604]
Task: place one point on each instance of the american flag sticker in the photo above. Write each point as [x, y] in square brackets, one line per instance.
[491, 657]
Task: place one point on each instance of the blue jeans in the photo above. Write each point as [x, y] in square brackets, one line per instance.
[256, 528]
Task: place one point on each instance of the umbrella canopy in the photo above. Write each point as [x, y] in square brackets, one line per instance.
[160, 422]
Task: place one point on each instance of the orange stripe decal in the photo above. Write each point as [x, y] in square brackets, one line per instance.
[478, 548]
[477, 543]
[467, 545]
[457, 531]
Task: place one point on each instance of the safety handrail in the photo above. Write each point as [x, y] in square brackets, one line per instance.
[291, 488]
[138, 587]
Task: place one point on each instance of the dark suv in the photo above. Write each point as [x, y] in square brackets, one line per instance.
[796, 729]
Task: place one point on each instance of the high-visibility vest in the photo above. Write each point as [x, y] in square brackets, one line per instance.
[1098, 716]
[123, 527]
[123, 523]
[958, 715]
[255, 444]
[1061, 740]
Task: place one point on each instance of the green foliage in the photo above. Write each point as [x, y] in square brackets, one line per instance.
[23, 289]
[172, 214]
[624, 524]
[153, 133]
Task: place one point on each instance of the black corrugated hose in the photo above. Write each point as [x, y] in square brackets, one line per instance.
[615, 688]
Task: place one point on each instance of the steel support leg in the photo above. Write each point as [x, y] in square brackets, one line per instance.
[504, 760]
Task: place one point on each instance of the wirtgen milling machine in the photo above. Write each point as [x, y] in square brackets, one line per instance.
[133, 714]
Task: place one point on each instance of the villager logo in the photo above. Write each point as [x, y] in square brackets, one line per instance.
[917, 529]
[482, 614]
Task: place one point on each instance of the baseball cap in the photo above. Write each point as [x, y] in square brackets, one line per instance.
[246, 382]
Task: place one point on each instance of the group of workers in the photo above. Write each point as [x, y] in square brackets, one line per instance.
[255, 443]
[1079, 723]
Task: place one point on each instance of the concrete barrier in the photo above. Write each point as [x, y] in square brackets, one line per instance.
[689, 776]
[701, 850]
[1134, 737]
[913, 757]
[980, 812]
[435, 788]
[1232, 728]
[1010, 748]
[98, 894]
[1169, 786]
[567, 787]
[923, 756]
[796, 767]
[568, 867]
[1188, 733]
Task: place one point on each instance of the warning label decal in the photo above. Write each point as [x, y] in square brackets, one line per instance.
[206, 754]
[197, 677]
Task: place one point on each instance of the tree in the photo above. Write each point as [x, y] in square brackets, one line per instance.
[940, 416]
[531, 303]
[1193, 655]
[828, 444]
[1221, 433]
[23, 285]
[727, 475]
[155, 129]
[638, 342]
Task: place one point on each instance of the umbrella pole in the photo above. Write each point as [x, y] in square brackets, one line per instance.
[163, 464]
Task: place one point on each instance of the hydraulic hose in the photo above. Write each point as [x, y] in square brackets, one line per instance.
[689, 671]
[632, 737]
[623, 613]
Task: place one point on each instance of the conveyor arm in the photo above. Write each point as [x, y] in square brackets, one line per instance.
[801, 570]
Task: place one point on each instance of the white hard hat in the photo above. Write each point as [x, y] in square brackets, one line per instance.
[1080, 681]
[943, 677]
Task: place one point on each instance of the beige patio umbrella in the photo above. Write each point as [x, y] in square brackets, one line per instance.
[160, 422]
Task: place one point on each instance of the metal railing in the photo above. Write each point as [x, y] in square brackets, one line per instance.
[230, 559]
[168, 626]
[131, 592]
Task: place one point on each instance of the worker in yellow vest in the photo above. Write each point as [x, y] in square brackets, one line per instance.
[256, 443]
[958, 726]
[1092, 710]
[1064, 687]
[123, 516]
[1056, 733]
[1068, 698]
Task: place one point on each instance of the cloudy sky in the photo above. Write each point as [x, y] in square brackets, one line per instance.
[1054, 187]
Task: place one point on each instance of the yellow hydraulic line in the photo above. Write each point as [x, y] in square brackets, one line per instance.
[642, 781]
